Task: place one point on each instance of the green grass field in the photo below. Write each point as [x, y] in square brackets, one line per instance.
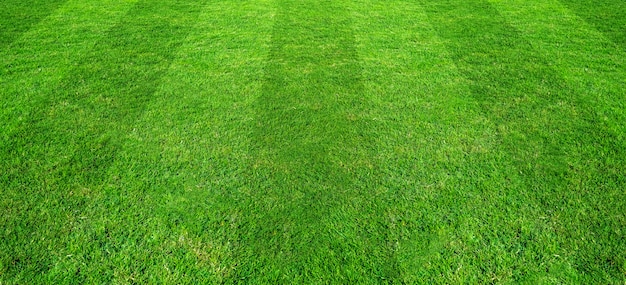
[312, 141]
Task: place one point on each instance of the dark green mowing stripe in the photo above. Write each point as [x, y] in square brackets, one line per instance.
[311, 212]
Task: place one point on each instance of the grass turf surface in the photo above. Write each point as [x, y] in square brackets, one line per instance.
[312, 141]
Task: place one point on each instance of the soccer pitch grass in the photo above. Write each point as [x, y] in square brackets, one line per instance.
[312, 141]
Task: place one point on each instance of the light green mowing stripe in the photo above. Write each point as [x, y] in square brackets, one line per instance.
[311, 211]
[427, 129]
[58, 162]
[567, 166]
[451, 187]
[166, 213]
[594, 73]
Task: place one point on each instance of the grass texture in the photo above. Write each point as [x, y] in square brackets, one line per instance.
[312, 141]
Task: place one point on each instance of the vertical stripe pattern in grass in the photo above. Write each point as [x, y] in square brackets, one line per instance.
[179, 166]
[591, 69]
[547, 134]
[312, 141]
[310, 208]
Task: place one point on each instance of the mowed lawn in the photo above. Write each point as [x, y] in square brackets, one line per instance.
[312, 141]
